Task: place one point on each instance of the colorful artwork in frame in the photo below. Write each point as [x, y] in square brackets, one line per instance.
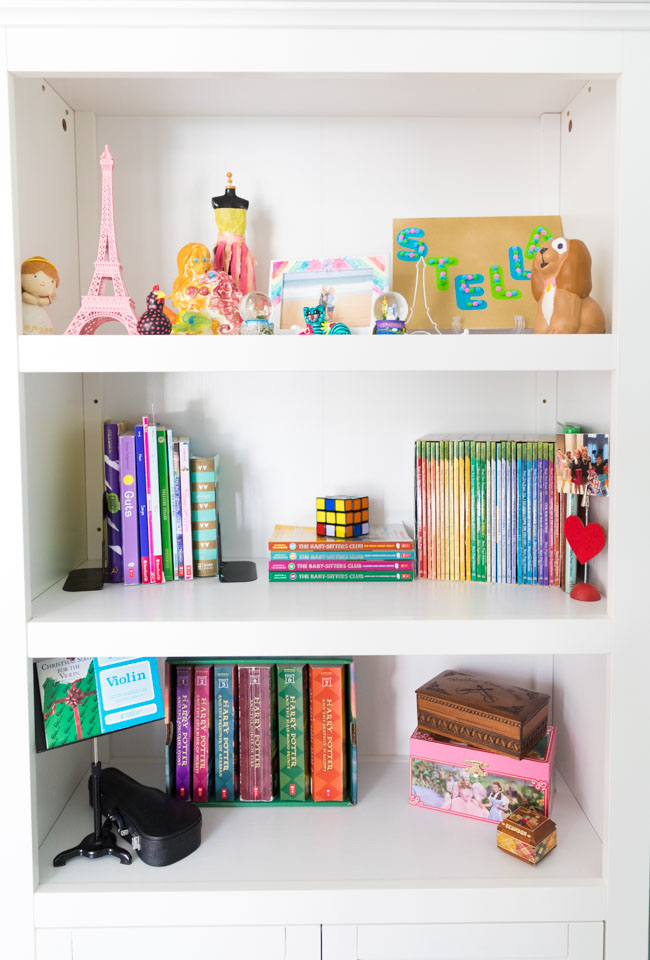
[345, 286]
[478, 267]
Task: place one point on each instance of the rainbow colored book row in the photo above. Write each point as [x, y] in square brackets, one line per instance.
[161, 519]
[488, 510]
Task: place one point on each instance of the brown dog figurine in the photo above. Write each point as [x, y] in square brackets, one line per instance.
[561, 284]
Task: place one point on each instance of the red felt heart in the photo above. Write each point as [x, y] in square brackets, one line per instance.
[586, 542]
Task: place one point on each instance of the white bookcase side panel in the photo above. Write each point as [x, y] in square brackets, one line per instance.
[55, 472]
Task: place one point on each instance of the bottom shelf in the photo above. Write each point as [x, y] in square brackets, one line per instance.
[382, 861]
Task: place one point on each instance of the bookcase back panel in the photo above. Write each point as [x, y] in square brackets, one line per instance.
[285, 439]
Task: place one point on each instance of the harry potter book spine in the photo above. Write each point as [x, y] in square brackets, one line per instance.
[225, 732]
[184, 696]
[327, 725]
[202, 734]
[258, 744]
[293, 742]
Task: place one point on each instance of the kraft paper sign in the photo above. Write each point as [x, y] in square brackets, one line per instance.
[477, 268]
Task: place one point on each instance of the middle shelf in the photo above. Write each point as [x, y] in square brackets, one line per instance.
[315, 619]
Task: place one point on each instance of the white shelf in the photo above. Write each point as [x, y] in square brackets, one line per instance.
[292, 353]
[382, 861]
[310, 619]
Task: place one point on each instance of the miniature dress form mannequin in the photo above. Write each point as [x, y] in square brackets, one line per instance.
[230, 254]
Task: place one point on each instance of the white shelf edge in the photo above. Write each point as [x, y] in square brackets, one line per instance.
[323, 619]
[144, 896]
[299, 354]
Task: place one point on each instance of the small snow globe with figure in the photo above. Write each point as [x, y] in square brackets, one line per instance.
[255, 310]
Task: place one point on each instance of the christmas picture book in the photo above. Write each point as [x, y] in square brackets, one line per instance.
[83, 697]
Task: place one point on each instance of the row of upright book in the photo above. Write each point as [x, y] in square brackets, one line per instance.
[299, 554]
[261, 731]
[488, 510]
[161, 520]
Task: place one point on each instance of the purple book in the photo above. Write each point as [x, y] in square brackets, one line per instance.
[545, 517]
[129, 509]
[184, 732]
[112, 498]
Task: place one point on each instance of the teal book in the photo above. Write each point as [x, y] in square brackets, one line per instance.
[165, 504]
[226, 734]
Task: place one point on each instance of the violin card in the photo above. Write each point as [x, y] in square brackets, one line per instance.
[477, 268]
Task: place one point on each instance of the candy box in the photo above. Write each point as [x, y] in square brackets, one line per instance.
[527, 835]
[454, 778]
[469, 708]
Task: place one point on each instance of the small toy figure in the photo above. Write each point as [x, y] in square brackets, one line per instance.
[153, 321]
[39, 279]
[191, 323]
[190, 292]
[561, 284]
[317, 324]
[230, 254]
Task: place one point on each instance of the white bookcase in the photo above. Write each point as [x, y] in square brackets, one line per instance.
[334, 118]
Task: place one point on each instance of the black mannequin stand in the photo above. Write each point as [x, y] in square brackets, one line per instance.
[102, 842]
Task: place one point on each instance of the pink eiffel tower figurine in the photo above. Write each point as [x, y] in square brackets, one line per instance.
[97, 307]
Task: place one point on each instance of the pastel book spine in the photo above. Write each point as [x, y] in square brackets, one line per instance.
[468, 513]
[437, 508]
[520, 569]
[293, 731]
[482, 512]
[431, 502]
[203, 477]
[455, 505]
[129, 510]
[499, 512]
[147, 474]
[186, 507]
[540, 514]
[461, 509]
[328, 735]
[571, 559]
[143, 521]
[172, 503]
[513, 510]
[112, 499]
[508, 538]
[226, 734]
[179, 556]
[184, 698]
[493, 511]
[154, 494]
[546, 514]
[340, 565]
[419, 533]
[202, 734]
[472, 483]
[297, 576]
[165, 508]
[258, 746]
[529, 513]
[425, 510]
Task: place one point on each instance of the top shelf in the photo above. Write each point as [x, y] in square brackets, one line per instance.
[114, 354]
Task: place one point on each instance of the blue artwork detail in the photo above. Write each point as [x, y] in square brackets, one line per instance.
[411, 239]
[468, 291]
[516, 261]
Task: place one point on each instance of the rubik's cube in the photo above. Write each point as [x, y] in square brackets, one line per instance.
[342, 517]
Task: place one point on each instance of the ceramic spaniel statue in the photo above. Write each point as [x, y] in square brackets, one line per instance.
[561, 284]
[38, 279]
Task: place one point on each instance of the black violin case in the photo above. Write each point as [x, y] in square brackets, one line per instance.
[161, 828]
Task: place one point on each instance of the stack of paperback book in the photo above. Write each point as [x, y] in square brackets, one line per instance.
[161, 519]
[298, 554]
[487, 510]
[252, 731]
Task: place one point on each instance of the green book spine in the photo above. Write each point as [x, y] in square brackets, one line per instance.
[437, 481]
[292, 576]
[484, 466]
[293, 735]
[165, 510]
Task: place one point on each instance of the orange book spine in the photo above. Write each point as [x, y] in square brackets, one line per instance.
[328, 741]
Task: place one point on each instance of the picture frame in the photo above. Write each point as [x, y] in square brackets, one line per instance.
[346, 286]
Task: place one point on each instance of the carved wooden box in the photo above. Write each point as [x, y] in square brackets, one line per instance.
[473, 709]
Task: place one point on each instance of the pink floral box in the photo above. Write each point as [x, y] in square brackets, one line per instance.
[453, 778]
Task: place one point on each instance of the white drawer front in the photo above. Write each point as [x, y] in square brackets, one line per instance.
[217, 943]
[465, 941]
